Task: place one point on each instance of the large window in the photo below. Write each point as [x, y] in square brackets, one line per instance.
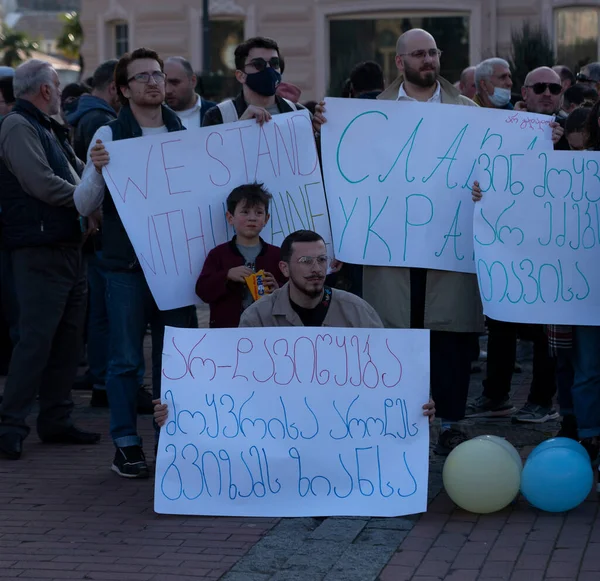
[576, 36]
[121, 39]
[354, 39]
[225, 35]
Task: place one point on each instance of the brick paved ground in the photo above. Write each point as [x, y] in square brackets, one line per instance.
[64, 515]
[516, 544]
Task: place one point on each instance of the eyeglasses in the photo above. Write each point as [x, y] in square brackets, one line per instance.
[421, 54]
[158, 76]
[539, 88]
[260, 64]
[310, 260]
[580, 78]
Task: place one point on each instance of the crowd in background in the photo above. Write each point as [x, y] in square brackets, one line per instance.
[68, 269]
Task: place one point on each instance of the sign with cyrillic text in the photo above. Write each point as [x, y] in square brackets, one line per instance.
[537, 240]
[170, 192]
[286, 422]
[398, 176]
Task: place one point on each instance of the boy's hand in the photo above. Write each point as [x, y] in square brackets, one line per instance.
[259, 113]
[270, 282]
[161, 412]
[476, 192]
[239, 273]
[428, 410]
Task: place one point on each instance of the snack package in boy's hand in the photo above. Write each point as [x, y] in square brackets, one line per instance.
[256, 285]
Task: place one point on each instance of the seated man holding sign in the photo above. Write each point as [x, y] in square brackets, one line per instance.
[305, 300]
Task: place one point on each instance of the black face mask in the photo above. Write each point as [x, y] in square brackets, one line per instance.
[265, 82]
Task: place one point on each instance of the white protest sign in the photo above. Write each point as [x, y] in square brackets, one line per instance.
[537, 239]
[294, 422]
[398, 176]
[170, 192]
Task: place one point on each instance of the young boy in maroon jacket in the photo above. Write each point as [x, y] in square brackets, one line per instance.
[222, 282]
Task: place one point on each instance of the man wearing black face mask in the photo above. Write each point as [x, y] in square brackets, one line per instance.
[258, 69]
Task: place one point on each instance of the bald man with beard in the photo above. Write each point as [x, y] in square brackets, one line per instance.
[447, 303]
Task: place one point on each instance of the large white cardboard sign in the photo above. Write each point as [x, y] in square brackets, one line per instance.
[398, 176]
[286, 422]
[170, 192]
[537, 240]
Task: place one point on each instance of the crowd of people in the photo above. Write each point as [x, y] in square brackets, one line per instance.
[68, 270]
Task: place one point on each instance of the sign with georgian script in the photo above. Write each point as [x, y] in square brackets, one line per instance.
[537, 240]
[284, 422]
[170, 192]
[398, 176]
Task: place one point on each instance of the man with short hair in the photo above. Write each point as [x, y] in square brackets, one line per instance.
[447, 303]
[366, 80]
[40, 227]
[140, 82]
[590, 75]
[466, 85]
[493, 82]
[567, 78]
[181, 93]
[258, 70]
[96, 109]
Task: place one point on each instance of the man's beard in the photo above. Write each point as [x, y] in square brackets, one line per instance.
[312, 293]
[415, 77]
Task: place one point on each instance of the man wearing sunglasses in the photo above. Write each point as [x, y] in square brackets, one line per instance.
[140, 82]
[590, 75]
[258, 70]
[541, 94]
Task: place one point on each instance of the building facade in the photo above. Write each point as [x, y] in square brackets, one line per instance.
[322, 39]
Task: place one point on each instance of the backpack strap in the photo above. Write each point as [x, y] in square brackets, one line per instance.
[228, 111]
[291, 104]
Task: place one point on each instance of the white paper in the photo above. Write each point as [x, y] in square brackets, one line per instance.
[537, 240]
[285, 422]
[398, 176]
[170, 192]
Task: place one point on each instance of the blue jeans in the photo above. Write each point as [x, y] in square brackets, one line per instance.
[586, 384]
[131, 308]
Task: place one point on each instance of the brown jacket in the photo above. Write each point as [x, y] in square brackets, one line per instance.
[345, 310]
[452, 301]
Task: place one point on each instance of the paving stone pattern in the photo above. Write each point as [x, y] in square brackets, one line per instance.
[64, 515]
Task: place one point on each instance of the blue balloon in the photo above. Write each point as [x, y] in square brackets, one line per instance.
[557, 479]
[561, 443]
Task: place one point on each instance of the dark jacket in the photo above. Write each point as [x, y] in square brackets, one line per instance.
[224, 296]
[117, 250]
[214, 117]
[91, 114]
[28, 221]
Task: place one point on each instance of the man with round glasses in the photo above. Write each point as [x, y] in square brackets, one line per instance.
[258, 70]
[140, 82]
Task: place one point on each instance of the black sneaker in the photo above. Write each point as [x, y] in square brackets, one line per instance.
[144, 402]
[99, 398]
[448, 440]
[484, 407]
[130, 462]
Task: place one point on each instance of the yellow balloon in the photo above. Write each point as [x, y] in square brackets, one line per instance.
[480, 476]
[506, 445]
